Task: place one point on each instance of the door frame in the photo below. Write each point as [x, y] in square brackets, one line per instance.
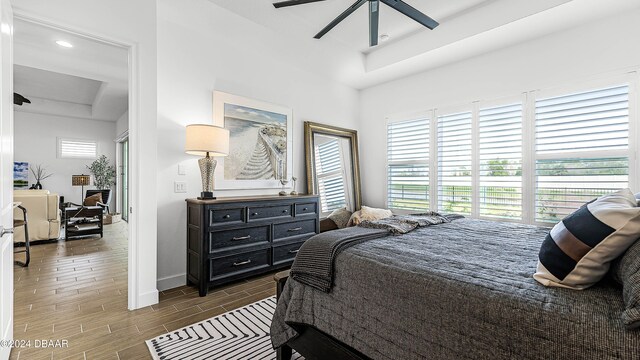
[136, 256]
[120, 140]
[6, 205]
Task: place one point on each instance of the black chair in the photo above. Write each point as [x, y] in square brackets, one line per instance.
[106, 199]
[27, 250]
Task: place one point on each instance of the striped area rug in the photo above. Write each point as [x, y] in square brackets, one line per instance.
[239, 334]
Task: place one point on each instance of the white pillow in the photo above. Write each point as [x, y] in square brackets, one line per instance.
[368, 213]
[577, 252]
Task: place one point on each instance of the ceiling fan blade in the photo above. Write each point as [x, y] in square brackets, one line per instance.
[374, 20]
[293, 2]
[341, 17]
[411, 12]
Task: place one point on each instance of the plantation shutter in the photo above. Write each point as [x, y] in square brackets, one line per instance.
[330, 176]
[582, 149]
[455, 163]
[79, 149]
[408, 164]
[500, 152]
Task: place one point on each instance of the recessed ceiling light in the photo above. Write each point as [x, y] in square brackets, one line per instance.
[384, 37]
[64, 43]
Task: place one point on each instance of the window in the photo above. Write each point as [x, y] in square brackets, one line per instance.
[408, 164]
[582, 149]
[330, 175]
[77, 149]
[455, 163]
[500, 171]
[533, 161]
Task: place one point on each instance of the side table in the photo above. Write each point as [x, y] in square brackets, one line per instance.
[82, 221]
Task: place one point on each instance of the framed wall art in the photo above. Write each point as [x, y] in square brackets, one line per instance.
[260, 143]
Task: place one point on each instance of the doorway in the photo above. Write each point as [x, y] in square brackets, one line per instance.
[77, 89]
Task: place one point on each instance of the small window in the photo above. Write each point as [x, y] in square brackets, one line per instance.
[77, 149]
[408, 164]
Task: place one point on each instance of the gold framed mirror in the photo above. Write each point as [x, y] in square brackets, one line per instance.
[333, 166]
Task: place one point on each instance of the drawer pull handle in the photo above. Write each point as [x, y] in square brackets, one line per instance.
[295, 229]
[241, 238]
[254, 214]
[226, 216]
[293, 251]
[305, 209]
[285, 211]
[242, 263]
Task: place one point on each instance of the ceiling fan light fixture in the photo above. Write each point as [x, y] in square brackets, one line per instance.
[374, 16]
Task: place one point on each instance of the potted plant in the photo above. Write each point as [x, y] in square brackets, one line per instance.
[40, 173]
[104, 176]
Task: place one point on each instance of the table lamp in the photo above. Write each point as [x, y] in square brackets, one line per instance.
[81, 180]
[208, 141]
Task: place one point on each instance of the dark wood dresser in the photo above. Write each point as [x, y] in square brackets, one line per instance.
[233, 238]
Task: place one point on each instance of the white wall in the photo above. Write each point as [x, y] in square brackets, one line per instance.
[131, 22]
[594, 50]
[203, 47]
[122, 124]
[35, 141]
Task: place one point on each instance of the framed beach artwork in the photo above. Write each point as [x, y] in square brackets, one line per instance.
[260, 143]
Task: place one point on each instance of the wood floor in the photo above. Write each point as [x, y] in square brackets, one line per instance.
[77, 291]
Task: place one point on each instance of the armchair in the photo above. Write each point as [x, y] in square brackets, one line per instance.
[104, 204]
[44, 214]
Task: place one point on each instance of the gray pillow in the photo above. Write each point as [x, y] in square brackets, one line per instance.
[626, 271]
[340, 217]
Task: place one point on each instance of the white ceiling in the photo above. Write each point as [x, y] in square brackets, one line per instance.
[467, 28]
[89, 80]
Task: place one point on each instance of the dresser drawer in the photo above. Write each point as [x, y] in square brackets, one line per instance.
[238, 237]
[297, 228]
[239, 263]
[269, 212]
[285, 253]
[307, 208]
[226, 216]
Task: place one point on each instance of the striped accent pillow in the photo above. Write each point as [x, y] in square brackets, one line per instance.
[577, 252]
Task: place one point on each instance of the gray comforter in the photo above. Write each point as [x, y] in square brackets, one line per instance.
[462, 290]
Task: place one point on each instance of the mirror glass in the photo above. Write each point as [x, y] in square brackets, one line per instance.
[332, 159]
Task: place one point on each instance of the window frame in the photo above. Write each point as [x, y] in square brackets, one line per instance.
[630, 79]
[447, 111]
[416, 115]
[505, 101]
[60, 140]
[529, 157]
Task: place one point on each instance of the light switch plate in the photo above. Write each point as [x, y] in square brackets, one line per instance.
[182, 170]
[179, 187]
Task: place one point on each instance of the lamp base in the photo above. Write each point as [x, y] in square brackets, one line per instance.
[206, 195]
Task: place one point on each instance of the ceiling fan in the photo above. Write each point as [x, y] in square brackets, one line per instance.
[374, 15]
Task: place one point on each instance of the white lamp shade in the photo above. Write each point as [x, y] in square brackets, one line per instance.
[203, 139]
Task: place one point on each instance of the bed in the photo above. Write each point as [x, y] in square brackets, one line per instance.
[459, 290]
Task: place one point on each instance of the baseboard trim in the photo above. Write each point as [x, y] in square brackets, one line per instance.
[148, 298]
[171, 282]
